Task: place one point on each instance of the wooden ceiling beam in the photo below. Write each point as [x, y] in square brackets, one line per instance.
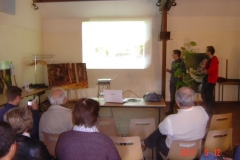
[46, 1]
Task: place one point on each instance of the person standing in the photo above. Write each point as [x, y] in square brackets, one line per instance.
[210, 79]
[176, 65]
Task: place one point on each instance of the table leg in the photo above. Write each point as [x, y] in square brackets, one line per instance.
[159, 115]
[238, 93]
[222, 93]
[111, 113]
[219, 94]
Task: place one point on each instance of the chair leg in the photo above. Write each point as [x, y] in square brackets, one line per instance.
[163, 157]
[152, 153]
[228, 154]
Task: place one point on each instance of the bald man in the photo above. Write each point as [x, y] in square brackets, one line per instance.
[57, 118]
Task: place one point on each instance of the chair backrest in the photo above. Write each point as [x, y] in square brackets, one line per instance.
[107, 126]
[218, 141]
[129, 148]
[185, 150]
[50, 140]
[141, 127]
[221, 121]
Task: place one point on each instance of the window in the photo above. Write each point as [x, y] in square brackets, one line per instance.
[113, 45]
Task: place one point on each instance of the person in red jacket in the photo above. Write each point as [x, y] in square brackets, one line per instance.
[210, 79]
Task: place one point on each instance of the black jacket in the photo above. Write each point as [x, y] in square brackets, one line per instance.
[30, 149]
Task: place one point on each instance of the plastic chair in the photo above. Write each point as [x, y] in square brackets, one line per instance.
[107, 126]
[50, 140]
[218, 141]
[184, 150]
[141, 127]
[221, 121]
[129, 148]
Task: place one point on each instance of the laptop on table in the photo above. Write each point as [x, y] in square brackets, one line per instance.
[113, 96]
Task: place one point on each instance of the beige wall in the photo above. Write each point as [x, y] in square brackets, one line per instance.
[63, 39]
[21, 37]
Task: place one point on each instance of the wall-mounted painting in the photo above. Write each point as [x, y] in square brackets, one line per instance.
[67, 75]
[194, 65]
[5, 76]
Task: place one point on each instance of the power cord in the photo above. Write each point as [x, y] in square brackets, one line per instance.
[131, 99]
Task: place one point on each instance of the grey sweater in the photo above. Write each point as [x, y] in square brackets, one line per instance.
[76, 145]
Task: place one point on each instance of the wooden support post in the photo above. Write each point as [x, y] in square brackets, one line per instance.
[164, 50]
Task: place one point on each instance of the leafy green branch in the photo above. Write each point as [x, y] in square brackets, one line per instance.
[179, 73]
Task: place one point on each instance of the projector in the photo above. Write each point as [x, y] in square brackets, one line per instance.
[104, 80]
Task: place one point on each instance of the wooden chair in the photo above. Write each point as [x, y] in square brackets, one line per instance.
[129, 148]
[107, 126]
[50, 140]
[218, 141]
[184, 150]
[221, 121]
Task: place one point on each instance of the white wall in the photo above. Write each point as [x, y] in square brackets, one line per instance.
[62, 38]
[21, 37]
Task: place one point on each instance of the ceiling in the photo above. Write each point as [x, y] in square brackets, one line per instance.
[137, 8]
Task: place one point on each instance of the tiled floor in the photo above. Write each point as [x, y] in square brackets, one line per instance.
[122, 117]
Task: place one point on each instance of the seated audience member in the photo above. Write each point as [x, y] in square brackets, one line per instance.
[7, 141]
[84, 141]
[13, 99]
[27, 148]
[57, 118]
[188, 124]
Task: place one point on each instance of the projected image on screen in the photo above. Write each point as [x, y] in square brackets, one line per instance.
[113, 45]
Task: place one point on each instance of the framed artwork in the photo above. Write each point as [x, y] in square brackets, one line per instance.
[194, 65]
[67, 75]
[5, 76]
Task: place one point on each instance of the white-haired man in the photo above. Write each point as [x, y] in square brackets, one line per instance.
[188, 124]
[57, 118]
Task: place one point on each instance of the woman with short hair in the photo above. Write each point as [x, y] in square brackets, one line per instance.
[84, 141]
[27, 148]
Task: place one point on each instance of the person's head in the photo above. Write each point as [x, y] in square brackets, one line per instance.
[185, 97]
[86, 112]
[210, 51]
[176, 54]
[14, 95]
[7, 141]
[57, 96]
[20, 119]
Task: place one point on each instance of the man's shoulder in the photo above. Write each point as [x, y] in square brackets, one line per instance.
[215, 59]
[58, 107]
[199, 108]
[6, 108]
